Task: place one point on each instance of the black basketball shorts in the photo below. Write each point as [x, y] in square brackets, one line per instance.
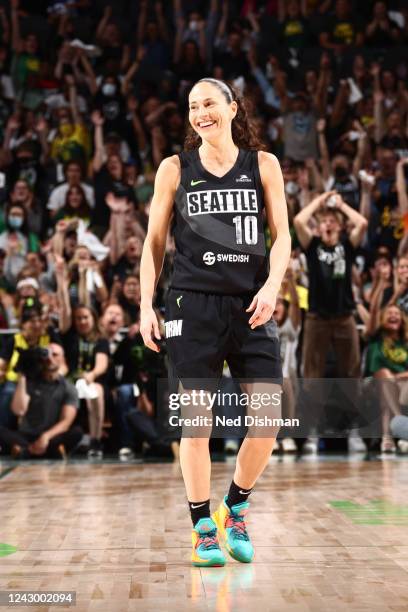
[204, 330]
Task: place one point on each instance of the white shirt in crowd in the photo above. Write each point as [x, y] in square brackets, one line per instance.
[59, 194]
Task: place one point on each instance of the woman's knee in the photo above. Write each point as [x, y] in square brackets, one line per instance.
[196, 443]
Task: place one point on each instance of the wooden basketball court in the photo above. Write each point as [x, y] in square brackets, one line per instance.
[329, 533]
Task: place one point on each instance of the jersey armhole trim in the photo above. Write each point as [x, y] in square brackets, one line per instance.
[255, 161]
[183, 160]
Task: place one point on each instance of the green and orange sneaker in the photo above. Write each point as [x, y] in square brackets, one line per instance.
[206, 548]
[232, 529]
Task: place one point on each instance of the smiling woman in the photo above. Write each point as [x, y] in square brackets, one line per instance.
[244, 132]
[222, 293]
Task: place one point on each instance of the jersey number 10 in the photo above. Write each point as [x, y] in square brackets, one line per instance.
[250, 233]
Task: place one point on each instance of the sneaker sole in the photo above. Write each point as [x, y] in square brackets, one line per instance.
[204, 564]
[223, 539]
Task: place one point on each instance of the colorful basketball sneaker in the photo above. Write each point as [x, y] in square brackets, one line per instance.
[206, 549]
[232, 528]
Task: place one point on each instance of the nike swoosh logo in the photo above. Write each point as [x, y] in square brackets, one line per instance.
[193, 507]
[194, 183]
[178, 300]
[243, 492]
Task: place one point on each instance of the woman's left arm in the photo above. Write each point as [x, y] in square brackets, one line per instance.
[277, 216]
[100, 367]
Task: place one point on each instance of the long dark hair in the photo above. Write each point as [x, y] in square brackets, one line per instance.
[24, 228]
[84, 209]
[244, 131]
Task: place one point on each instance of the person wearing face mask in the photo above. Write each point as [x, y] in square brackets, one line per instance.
[16, 241]
[110, 102]
[23, 194]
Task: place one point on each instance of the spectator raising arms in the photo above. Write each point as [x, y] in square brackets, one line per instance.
[87, 358]
[329, 321]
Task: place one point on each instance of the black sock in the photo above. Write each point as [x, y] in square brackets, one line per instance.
[236, 495]
[199, 510]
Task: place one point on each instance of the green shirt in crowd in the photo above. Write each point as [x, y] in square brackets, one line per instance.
[386, 353]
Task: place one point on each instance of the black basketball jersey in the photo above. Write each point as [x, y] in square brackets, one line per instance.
[218, 227]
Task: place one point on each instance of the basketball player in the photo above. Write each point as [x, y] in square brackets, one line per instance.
[222, 294]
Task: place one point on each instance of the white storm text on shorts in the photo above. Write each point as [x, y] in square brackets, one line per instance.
[173, 328]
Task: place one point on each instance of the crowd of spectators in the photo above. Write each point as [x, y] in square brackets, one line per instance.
[93, 95]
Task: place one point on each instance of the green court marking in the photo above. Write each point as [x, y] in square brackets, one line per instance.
[375, 512]
[7, 549]
[5, 472]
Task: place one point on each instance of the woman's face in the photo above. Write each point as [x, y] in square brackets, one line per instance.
[74, 197]
[392, 319]
[83, 321]
[131, 289]
[15, 218]
[210, 114]
[402, 270]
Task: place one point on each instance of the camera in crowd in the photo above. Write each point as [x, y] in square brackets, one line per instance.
[31, 362]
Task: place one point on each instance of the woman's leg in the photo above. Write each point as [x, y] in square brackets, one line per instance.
[257, 446]
[195, 459]
[96, 413]
[196, 468]
[252, 459]
[389, 399]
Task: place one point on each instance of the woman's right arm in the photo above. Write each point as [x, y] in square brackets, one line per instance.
[63, 295]
[161, 208]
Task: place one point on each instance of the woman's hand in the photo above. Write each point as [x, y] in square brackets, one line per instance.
[149, 328]
[88, 377]
[263, 304]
